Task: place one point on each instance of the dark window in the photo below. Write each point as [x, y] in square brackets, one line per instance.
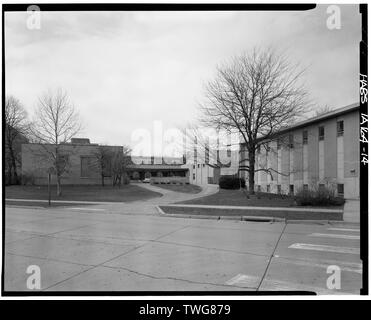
[340, 128]
[194, 176]
[194, 167]
[291, 188]
[340, 189]
[305, 137]
[291, 141]
[305, 187]
[107, 167]
[203, 165]
[198, 165]
[229, 152]
[259, 188]
[87, 166]
[278, 188]
[321, 133]
[268, 188]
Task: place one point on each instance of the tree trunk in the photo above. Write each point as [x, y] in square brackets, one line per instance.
[251, 172]
[102, 180]
[15, 175]
[59, 187]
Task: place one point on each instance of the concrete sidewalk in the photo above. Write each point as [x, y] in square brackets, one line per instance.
[169, 196]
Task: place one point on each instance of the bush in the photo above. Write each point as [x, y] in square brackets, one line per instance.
[231, 182]
[318, 197]
[136, 175]
[125, 179]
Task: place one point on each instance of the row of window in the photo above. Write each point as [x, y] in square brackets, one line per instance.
[198, 166]
[321, 135]
[340, 188]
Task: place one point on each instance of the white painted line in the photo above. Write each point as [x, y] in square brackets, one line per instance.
[319, 247]
[341, 229]
[344, 266]
[244, 280]
[335, 236]
[90, 209]
[278, 285]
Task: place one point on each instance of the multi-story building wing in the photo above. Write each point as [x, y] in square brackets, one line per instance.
[321, 151]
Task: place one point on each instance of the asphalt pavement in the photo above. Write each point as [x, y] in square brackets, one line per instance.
[94, 249]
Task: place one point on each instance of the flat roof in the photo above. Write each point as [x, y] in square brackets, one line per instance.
[328, 115]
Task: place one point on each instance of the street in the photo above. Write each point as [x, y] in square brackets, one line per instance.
[91, 249]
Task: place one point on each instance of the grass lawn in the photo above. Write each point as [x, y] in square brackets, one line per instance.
[238, 198]
[126, 193]
[185, 188]
[41, 204]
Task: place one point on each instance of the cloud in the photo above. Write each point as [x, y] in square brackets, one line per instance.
[123, 70]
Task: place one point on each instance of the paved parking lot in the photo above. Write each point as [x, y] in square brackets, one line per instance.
[89, 249]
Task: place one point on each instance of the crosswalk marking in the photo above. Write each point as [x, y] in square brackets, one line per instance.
[336, 236]
[279, 285]
[319, 247]
[90, 209]
[244, 280]
[343, 229]
[344, 266]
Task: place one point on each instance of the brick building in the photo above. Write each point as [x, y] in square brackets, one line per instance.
[81, 159]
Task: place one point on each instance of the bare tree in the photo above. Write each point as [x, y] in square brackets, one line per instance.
[322, 110]
[16, 130]
[56, 122]
[119, 165]
[257, 94]
[103, 160]
[205, 145]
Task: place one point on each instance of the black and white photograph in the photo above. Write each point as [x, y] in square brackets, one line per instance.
[169, 149]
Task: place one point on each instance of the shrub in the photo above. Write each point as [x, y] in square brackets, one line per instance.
[125, 179]
[318, 197]
[136, 175]
[231, 182]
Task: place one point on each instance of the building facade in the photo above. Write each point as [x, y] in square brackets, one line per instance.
[320, 152]
[203, 170]
[83, 162]
[140, 168]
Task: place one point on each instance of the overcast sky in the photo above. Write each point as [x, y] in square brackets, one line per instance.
[124, 70]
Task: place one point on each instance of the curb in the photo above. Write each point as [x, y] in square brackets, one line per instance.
[255, 219]
[233, 218]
